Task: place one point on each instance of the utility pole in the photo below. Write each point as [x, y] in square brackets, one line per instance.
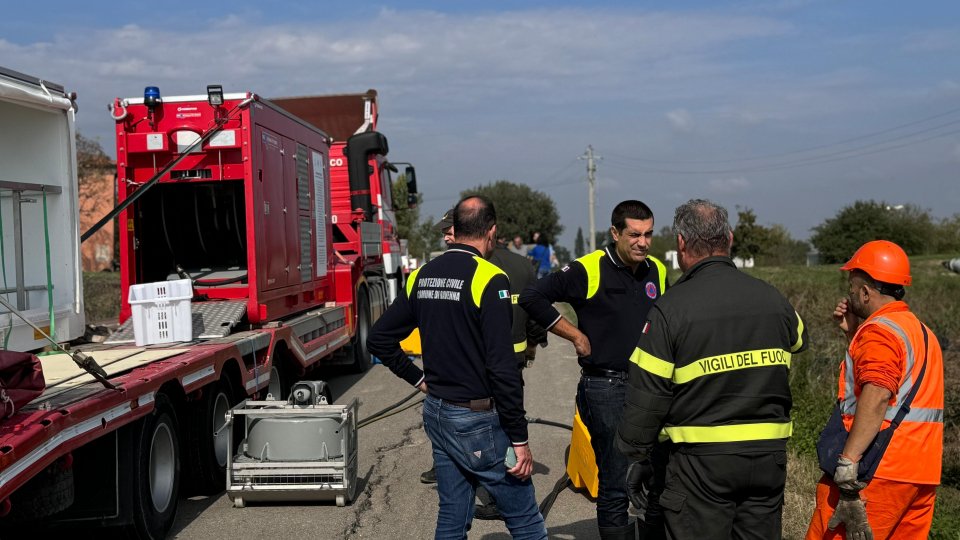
[591, 189]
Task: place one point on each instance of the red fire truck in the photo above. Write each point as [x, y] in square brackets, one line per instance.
[233, 193]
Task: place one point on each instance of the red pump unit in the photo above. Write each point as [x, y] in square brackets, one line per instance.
[246, 214]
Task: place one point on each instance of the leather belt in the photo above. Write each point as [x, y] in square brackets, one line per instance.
[476, 405]
[606, 373]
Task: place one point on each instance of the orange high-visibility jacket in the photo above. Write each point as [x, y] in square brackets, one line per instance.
[887, 350]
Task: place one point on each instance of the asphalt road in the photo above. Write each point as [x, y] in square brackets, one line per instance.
[392, 503]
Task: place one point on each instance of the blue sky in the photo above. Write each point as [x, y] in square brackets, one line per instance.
[793, 108]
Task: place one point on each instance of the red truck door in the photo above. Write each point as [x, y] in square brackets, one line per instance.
[272, 253]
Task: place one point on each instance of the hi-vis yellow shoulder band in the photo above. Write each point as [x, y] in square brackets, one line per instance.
[661, 272]
[520, 346]
[481, 277]
[591, 263]
[729, 433]
[711, 365]
[411, 279]
[796, 346]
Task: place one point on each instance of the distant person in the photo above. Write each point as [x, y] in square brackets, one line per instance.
[473, 412]
[540, 253]
[517, 246]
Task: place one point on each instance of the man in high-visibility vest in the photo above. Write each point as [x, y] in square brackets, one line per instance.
[611, 290]
[885, 358]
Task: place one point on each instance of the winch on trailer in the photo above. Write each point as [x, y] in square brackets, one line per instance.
[301, 449]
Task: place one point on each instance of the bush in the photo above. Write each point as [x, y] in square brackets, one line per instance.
[101, 297]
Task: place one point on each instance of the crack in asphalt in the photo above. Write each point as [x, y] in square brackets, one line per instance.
[377, 477]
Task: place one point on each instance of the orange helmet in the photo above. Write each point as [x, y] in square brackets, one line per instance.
[883, 261]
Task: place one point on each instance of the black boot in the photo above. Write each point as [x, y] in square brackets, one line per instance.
[429, 477]
[624, 532]
[651, 531]
[487, 509]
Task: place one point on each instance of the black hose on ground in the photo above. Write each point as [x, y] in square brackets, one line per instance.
[532, 420]
[367, 421]
[374, 417]
[562, 483]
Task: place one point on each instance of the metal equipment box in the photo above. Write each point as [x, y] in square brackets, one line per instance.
[292, 452]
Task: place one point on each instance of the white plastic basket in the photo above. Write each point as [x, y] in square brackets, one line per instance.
[161, 312]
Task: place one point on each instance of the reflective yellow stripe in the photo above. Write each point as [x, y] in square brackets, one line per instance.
[411, 279]
[729, 433]
[520, 346]
[481, 277]
[731, 362]
[651, 363]
[661, 272]
[591, 263]
[796, 346]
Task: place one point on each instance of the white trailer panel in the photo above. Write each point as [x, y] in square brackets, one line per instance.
[37, 162]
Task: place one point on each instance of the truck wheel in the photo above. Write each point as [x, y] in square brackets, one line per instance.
[361, 355]
[44, 495]
[279, 385]
[156, 475]
[209, 438]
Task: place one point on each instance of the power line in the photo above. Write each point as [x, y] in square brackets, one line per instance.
[567, 168]
[789, 165]
[812, 148]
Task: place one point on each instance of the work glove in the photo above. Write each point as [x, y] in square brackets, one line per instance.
[846, 475]
[851, 510]
[639, 481]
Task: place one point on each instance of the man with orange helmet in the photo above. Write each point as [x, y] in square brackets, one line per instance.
[890, 391]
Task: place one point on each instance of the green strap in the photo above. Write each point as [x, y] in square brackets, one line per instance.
[3, 265]
[46, 242]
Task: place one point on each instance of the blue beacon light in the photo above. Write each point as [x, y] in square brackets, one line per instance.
[151, 97]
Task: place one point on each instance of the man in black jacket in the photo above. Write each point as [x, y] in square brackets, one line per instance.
[711, 371]
[473, 412]
[611, 290]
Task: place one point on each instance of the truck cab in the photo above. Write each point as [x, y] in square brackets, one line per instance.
[363, 214]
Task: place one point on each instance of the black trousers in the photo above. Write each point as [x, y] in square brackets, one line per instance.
[724, 496]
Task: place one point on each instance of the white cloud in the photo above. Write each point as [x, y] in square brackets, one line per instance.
[681, 120]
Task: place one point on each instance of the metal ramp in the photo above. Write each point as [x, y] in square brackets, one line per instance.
[211, 320]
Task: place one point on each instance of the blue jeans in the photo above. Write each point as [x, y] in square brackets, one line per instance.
[600, 402]
[468, 450]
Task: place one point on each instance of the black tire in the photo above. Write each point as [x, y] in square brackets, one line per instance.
[208, 439]
[280, 379]
[156, 474]
[358, 346]
[44, 495]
